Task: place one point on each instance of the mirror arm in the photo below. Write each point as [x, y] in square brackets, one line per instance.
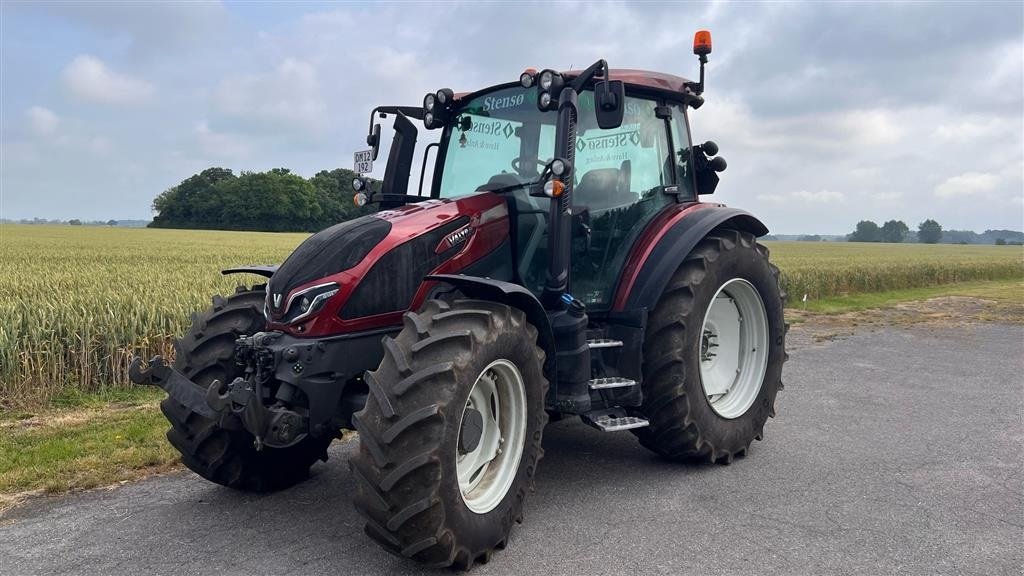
[588, 74]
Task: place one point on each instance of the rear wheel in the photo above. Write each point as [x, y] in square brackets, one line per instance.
[227, 456]
[451, 432]
[714, 351]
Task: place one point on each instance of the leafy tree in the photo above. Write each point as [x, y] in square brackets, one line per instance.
[929, 232]
[194, 203]
[894, 231]
[276, 200]
[867, 231]
[334, 193]
[809, 238]
[1000, 242]
[75, 222]
[111, 222]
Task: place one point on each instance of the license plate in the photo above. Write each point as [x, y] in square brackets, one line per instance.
[363, 161]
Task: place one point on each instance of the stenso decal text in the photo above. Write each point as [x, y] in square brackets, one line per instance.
[501, 102]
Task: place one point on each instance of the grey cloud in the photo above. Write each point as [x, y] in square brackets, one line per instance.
[827, 113]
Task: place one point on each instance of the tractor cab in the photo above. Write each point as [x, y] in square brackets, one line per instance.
[630, 160]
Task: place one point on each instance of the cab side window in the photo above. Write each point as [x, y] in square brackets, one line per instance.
[681, 155]
[621, 176]
[618, 167]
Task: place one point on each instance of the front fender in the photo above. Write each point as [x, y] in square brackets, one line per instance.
[512, 295]
[265, 271]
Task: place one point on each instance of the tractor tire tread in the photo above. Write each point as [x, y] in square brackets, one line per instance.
[220, 455]
[399, 491]
[674, 432]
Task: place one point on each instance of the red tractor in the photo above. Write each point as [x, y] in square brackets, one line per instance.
[561, 264]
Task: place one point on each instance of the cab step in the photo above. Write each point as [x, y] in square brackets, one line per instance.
[613, 382]
[613, 420]
[603, 343]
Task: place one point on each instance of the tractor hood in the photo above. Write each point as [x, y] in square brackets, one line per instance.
[364, 273]
[323, 254]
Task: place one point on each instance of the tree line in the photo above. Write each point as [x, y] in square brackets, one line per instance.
[929, 232]
[896, 231]
[272, 201]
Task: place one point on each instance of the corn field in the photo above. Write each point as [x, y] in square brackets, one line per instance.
[77, 303]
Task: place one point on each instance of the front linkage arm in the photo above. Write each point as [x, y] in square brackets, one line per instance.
[241, 400]
[157, 373]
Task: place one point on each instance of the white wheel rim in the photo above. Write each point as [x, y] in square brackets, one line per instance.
[733, 351]
[486, 473]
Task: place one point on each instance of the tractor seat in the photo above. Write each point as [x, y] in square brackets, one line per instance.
[503, 180]
[602, 189]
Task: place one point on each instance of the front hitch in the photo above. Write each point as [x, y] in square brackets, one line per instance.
[276, 426]
[157, 373]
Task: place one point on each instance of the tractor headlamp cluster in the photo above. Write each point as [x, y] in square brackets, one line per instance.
[362, 188]
[307, 302]
[549, 86]
[554, 176]
[437, 108]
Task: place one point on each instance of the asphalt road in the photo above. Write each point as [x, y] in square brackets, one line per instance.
[895, 451]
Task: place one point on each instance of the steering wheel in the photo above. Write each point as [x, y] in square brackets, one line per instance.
[517, 162]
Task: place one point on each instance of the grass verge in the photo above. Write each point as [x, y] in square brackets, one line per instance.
[1006, 292]
[95, 442]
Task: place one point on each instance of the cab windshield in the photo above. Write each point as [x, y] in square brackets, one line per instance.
[500, 140]
[506, 140]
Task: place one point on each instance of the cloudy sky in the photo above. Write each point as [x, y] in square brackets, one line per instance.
[827, 113]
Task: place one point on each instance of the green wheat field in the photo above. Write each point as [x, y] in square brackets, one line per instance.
[77, 303]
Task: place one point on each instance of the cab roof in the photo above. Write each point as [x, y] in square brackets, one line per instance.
[644, 79]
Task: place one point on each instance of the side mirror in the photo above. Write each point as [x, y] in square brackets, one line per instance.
[373, 140]
[609, 103]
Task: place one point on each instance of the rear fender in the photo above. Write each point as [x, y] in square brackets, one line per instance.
[675, 244]
[512, 295]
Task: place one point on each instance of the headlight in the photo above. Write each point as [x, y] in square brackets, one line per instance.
[547, 78]
[428, 120]
[428, 102]
[304, 304]
[445, 96]
[544, 100]
[559, 167]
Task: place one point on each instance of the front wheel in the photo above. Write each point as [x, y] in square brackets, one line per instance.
[451, 432]
[227, 456]
[713, 352]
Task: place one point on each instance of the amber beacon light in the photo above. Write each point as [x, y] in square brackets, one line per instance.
[702, 43]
